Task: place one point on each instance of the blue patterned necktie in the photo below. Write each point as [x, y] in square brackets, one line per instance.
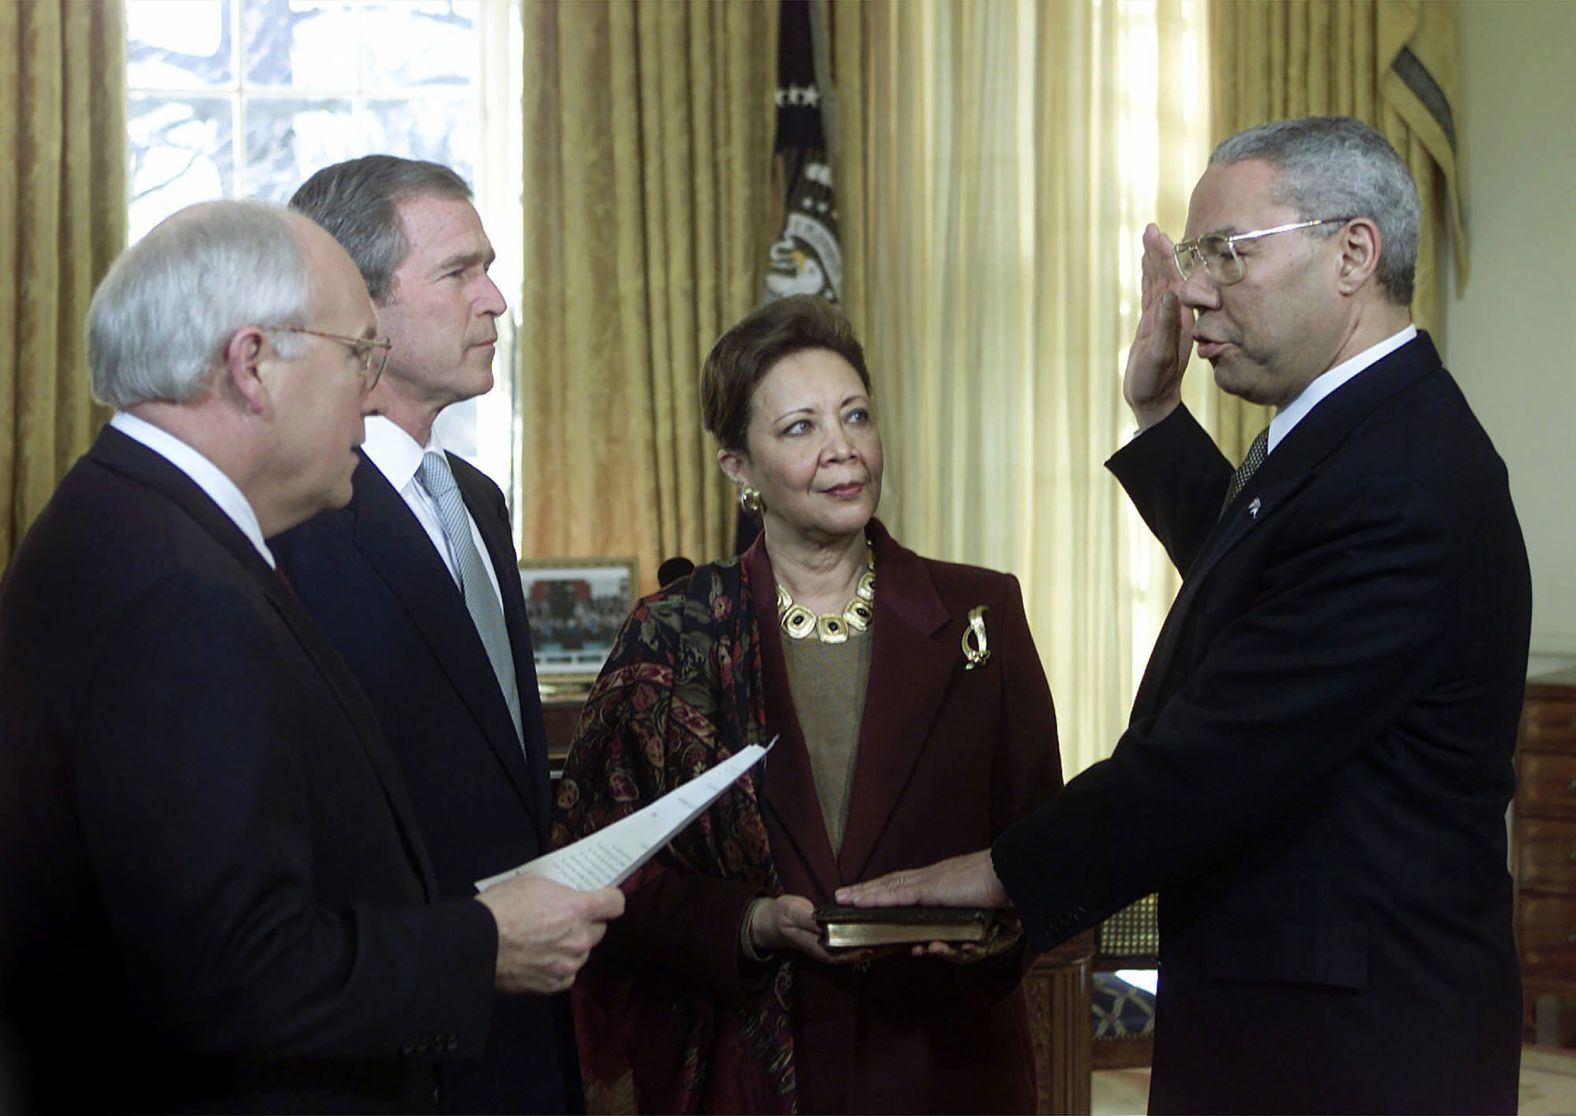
[1257, 452]
[480, 600]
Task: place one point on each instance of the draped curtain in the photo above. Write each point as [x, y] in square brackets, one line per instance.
[846, 118]
[1390, 63]
[1014, 152]
[62, 222]
[646, 210]
[996, 163]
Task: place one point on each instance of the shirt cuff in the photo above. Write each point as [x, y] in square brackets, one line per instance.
[746, 946]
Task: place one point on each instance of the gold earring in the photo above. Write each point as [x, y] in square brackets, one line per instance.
[750, 499]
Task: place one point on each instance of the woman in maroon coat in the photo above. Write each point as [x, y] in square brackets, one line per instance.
[914, 723]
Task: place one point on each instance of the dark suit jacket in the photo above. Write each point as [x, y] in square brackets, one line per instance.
[371, 577]
[214, 894]
[947, 758]
[1319, 763]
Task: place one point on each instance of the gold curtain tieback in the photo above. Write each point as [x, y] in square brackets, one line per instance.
[976, 647]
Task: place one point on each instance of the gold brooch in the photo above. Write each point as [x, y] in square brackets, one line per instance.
[976, 648]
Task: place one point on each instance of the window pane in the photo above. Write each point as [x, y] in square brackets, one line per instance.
[426, 43]
[300, 44]
[442, 129]
[289, 138]
[456, 428]
[178, 44]
[181, 152]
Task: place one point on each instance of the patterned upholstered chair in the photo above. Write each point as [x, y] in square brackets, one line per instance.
[1122, 1015]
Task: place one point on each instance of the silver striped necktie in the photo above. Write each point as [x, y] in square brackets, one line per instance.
[480, 600]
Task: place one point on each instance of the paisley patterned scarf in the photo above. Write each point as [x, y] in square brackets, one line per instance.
[680, 692]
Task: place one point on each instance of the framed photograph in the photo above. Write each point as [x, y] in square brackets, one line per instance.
[576, 607]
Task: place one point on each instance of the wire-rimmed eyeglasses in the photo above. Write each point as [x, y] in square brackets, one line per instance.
[372, 352]
[1218, 252]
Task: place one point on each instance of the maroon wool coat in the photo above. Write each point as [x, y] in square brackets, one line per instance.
[948, 757]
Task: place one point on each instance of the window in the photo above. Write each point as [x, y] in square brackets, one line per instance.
[246, 98]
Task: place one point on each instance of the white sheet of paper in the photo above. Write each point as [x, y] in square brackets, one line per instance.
[610, 856]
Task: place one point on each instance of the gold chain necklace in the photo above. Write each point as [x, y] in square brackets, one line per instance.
[798, 622]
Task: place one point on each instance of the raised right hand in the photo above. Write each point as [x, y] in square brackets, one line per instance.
[546, 931]
[1152, 384]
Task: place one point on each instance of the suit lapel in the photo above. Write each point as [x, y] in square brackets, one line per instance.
[1245, 514]
[392, 541]
[356, 707]
[910, 674]
[123, 454]
[1293, 464]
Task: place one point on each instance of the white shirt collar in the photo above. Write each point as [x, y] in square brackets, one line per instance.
[203, 473]
[396, 454]
[1315, 393]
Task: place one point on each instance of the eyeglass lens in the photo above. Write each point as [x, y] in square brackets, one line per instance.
[1217, 254]
[374, 358]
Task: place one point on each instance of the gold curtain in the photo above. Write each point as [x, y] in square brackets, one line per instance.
[646, 210]
[1015, 151]
[1390, 63]
[62, 222]
[845, 25]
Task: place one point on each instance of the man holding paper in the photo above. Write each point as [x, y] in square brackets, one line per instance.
[213, 893]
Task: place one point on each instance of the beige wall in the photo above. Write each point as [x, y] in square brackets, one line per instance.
[1510, 339]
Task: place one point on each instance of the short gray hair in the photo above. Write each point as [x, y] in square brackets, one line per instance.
[357, 201]
[160, 320]
[1335, 166]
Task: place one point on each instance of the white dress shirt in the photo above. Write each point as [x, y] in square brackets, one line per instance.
[1315, 393]
[397, 456]
[203, 473]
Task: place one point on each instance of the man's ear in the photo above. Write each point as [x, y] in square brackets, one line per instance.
[733, 464]
[1360, 245]
[242, 376]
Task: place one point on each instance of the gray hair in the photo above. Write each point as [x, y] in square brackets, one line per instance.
[1335, 166]
[358, 203]
[160, 320]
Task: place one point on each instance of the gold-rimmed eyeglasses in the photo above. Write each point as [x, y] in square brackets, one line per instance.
[1217, 252]
[372, 352]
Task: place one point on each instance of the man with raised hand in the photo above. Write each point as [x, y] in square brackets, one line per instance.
[1318, 765]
